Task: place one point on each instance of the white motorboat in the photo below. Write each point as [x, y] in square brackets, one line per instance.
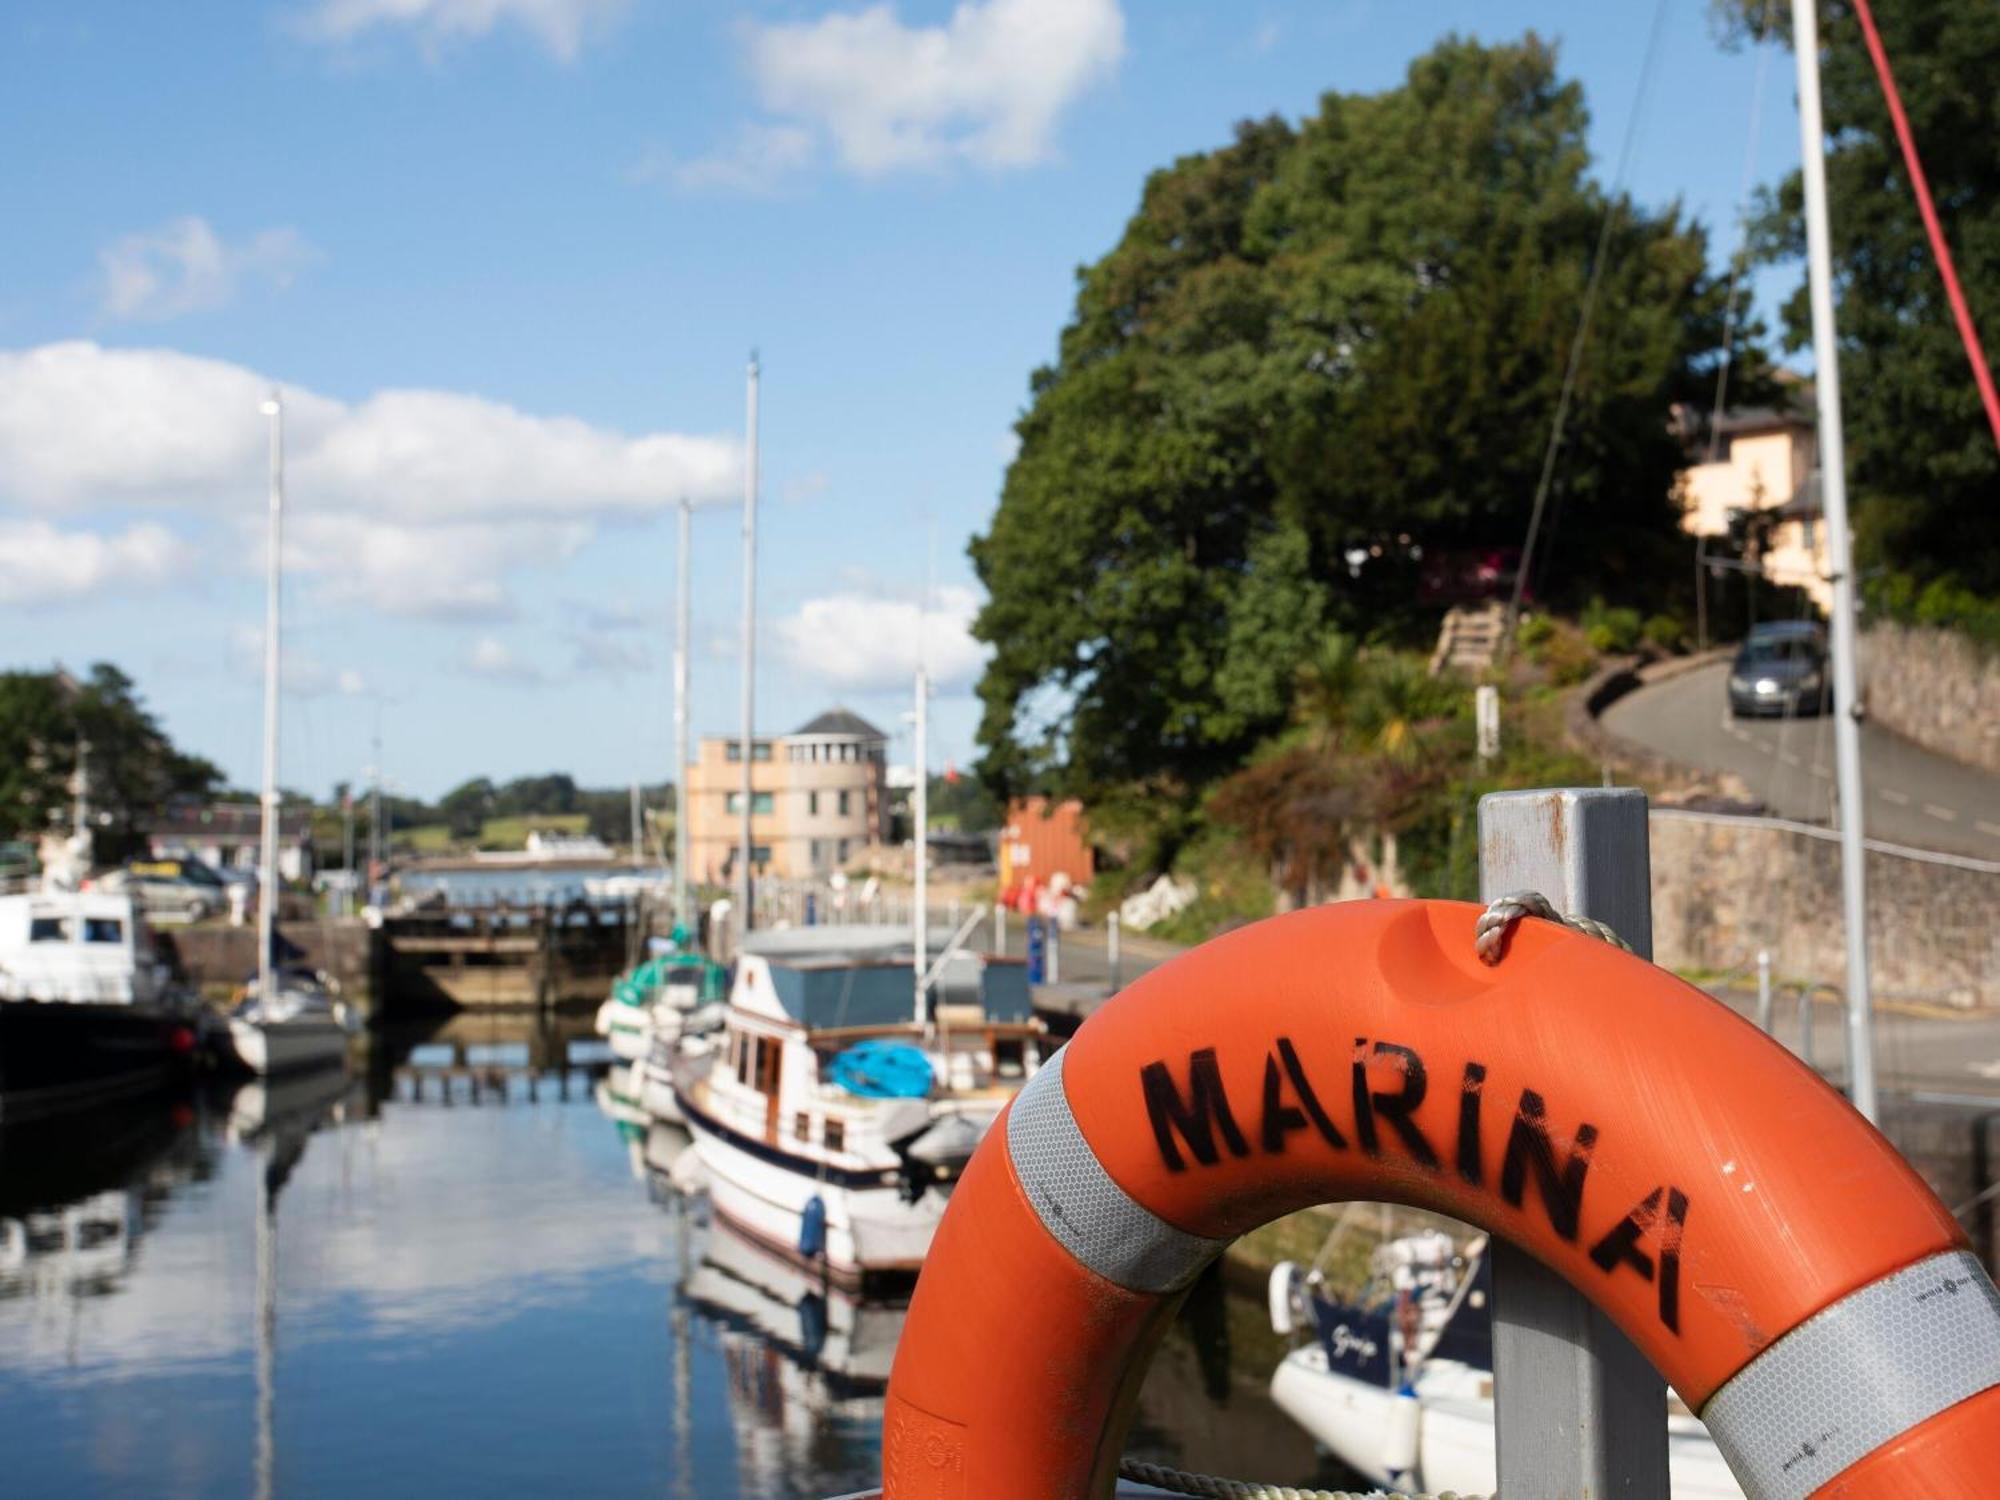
[1397, 1382]
[87, 1009]
[297, 1024]
[831, 1124]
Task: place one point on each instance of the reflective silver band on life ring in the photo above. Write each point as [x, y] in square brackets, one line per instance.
[1859, 1374]
[1093, 1218]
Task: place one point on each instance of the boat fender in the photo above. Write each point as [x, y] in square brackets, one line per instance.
[812, 1228]
[1400, 1440]
[1283, 1292]
[1762, 1244]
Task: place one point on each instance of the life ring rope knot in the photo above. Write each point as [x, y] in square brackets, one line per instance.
[1489, 933]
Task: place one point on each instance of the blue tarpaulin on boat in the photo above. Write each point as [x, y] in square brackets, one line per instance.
[883, 1070]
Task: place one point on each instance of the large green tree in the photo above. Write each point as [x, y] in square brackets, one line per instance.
[48, 718]
[1922, 464]
[1315, 355]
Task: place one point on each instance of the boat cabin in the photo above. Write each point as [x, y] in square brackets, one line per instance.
[803, 998]
[77, 946]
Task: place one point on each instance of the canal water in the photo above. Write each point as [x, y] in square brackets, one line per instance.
[454, 1273]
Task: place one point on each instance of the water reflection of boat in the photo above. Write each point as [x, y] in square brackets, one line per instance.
[74, 1194]
[1397, 1380]
[807, 1365]
[294, 1104]
[847, 1338]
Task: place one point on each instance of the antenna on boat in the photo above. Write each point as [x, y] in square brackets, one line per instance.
[921, 820]
[920, 802]
[682, 914]
[1840, 560]
[267, 873]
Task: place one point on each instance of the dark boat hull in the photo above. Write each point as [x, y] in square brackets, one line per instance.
[57, 1056]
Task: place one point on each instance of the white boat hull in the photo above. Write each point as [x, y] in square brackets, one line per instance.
[626, 1029]
[870, 1231]
[1352, 1419]
[266, 1047]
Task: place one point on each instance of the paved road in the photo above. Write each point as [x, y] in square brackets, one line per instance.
[1914, 797]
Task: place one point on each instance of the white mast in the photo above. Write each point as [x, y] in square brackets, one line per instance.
[267, 873]
[1839, 547]
[921, 818]
[682, 914]
[745, 880]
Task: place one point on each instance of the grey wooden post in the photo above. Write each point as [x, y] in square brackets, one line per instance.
[1580, 1414]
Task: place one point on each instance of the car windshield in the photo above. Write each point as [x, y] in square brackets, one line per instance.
[1792, 648]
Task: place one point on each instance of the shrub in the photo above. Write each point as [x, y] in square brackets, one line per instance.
[1611, 629]
[1664, 633]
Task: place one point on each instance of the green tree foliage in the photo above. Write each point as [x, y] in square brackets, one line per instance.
[1313, 353]
[133, 767]
[1921, 457]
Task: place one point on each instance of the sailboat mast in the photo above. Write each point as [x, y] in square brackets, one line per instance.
[267, 871]
[1840, 560]
[746, 888]
[682, 914]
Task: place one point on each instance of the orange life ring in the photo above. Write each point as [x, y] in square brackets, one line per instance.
[1771, 1253]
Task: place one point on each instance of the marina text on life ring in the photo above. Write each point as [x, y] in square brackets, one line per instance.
[1765, 1247]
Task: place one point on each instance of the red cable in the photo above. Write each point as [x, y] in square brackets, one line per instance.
[1939, 249]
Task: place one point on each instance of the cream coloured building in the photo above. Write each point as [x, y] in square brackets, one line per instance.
[818, 799]
[1765, 467]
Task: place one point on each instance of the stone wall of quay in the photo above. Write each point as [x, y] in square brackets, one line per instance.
[1724, 887]
[1936, 688]
[216, 957]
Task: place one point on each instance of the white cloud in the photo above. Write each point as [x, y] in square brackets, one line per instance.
[300, 674]
[418, 502]
[561, 26]
[988, 86]
[40, 564]
[488, 657]
[807, 486]
[756, 161]
[184, 266]
[608, 656]
[442, 571]
[870, 642]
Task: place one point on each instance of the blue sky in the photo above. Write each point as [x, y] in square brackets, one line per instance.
[507, 259]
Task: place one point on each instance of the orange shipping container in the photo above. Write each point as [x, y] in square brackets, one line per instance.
[1040, 840]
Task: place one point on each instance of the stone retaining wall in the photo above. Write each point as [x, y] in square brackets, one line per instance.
[1936, 688]
[1723, 887]
[214, 955]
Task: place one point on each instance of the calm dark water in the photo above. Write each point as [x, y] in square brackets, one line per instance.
[380, 1287]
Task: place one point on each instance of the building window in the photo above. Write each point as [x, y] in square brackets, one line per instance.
[802, 1126]
[812, 804]
[836, 1136]
[843, 804]
[760, 802]
[732, 750]
[843, 851]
